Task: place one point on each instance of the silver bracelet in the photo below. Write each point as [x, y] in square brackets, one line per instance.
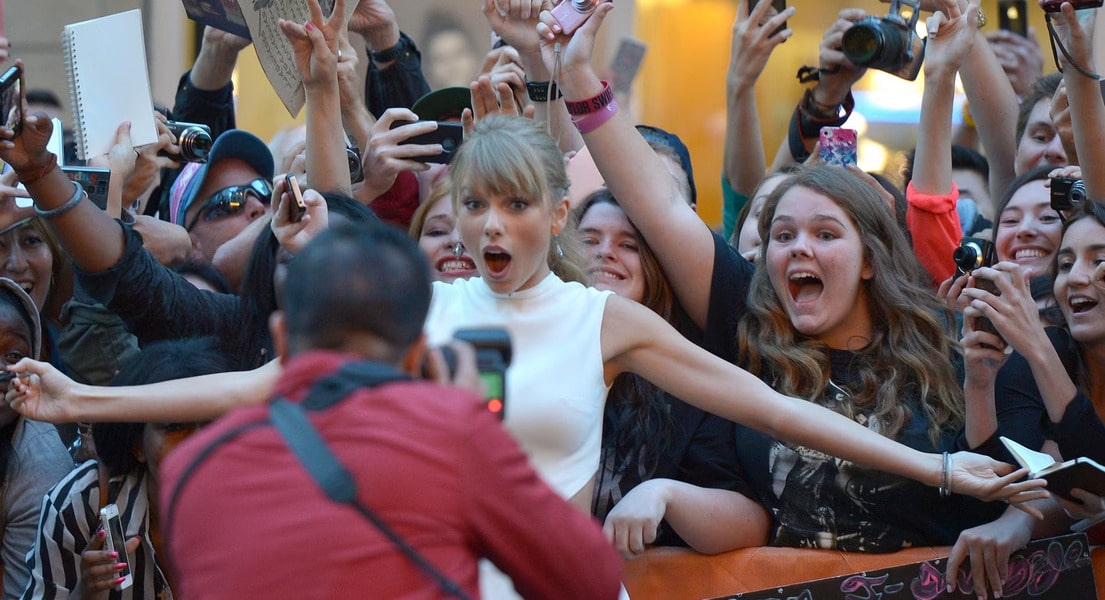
[945, 477]
[78, 195]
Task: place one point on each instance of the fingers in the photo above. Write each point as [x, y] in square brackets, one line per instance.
[955, 560]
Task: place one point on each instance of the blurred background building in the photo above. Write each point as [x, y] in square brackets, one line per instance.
[681, 86]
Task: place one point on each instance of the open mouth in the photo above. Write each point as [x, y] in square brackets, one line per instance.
[805, 287]
[497, 262]
[1080, 305]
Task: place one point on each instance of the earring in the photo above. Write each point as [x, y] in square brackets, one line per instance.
[559, 250]
[458, 249]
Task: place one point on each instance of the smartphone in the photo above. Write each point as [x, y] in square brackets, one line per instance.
[117, 541]
[94, 181]
[1013, 16]
[627, 63]
[11, 97]
[297, 207]
[1055, 5]
[448, 134]
[778, 5]
[838, 146]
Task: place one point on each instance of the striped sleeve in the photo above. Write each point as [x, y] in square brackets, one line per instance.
[63, 529]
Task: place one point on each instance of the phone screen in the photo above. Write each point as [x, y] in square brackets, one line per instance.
[94, 181]
[1012, 16]
[297, 207]
[493, 385]
[116, 539]
[11, 97]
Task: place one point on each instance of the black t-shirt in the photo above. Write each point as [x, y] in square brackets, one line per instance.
[817, 500]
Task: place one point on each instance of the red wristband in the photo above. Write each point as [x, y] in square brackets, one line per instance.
[582, 108]
[592, 121]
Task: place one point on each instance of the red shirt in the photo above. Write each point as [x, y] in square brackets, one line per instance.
[429, 460]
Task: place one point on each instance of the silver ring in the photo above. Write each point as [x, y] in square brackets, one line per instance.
[339, 53]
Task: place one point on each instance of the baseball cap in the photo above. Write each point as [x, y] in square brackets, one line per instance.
[442, 104]
[658, 137]
[233, 143]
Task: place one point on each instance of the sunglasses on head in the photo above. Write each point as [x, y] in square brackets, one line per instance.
[231, 200]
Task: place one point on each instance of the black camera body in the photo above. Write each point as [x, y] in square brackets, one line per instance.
[194, 140]
[974, 253]
[1067, 193]
[493, 352]
[888, 43]
[356, 169]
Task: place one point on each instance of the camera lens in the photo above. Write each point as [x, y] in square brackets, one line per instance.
[1077, 192]
[195, 143]
[863, 43]
[967, 257]
[585, 6]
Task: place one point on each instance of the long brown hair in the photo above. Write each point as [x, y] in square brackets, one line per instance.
[913, 335]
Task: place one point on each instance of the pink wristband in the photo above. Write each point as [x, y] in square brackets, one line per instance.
[594, 120]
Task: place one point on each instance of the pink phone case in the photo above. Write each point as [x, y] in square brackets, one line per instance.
[838, 146]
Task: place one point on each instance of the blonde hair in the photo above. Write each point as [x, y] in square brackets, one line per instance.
[513, 156]
[912, 340]
[418, 219]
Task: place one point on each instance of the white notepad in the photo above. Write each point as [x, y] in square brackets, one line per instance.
[105, 62]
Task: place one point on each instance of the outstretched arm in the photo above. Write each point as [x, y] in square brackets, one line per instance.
[43, 393]
[1087, 112]
[636, 340]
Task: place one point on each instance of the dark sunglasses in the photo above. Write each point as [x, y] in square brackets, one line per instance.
[231, 200]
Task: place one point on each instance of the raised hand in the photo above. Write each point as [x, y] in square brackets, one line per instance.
[515, 21]
[488, 99]
[838, 74]
[754, 39]
[375, 21]
[294, 236]
[1020, 57]
[315, 43]
[575, 50]
[951, 34]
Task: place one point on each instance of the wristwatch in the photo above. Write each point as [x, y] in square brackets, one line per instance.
[539, 91]
[399, 50]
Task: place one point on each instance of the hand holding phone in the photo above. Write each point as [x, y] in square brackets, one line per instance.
[11, 98]
[838, 146]
[115, 540]
[448, 134]
[297, 207]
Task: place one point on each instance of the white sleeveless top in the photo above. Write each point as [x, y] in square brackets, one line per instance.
[555, 390]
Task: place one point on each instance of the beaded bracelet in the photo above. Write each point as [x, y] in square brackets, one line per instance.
[29, 176]
[78, 195]
[591, 122]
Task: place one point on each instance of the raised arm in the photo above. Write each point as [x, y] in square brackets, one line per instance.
[316, 47]
[993, 105]
[637, 340]
[932, 216]
[636, 175]
[515, 22]
[754, 38]
[1087, 111]
[822, 104]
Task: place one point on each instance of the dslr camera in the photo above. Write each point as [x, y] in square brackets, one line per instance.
[194, 140]
[493, 353]
[972, 254]
[888, 43]
[1067, 192]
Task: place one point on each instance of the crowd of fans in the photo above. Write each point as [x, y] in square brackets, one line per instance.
[275, 403]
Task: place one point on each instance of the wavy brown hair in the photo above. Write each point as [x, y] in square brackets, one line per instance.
[913, 337]
[507, 155]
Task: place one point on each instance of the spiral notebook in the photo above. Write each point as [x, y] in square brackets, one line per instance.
[105, 62]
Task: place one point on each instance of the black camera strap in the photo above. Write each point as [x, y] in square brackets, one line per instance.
[305, 441]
